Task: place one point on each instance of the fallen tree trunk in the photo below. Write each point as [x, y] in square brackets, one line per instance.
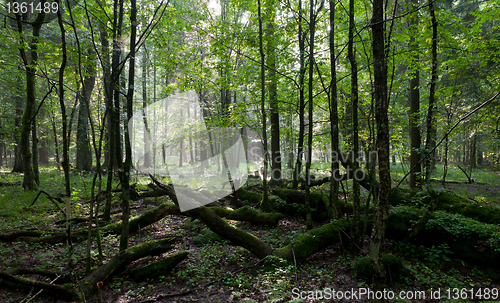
[449, 202]
[90, 283]
[159, 268]
[65, 291]
[151, 248]
[249, 214]
[311, 242]
[365, 181]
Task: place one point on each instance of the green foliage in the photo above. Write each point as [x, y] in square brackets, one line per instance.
[434, 254]
[362, 268]
[469, 239]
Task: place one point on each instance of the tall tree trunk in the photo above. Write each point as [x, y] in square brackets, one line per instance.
[382, 120]
[29, 180]
[147, 133]
[273, 101]
[334, 118]
[414, 120]
[355, 139]
[264, 205]
[125, 175]
[109, 146]
[65, 162]
[312, 26]
[83, 151]
[302, 72]
[430, 142]
[108, 93]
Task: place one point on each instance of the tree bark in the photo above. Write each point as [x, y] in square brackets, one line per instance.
[18, 151]
[29, 180]
[381, 117]
[264, 206]
[334, 118]
[414, 119]
[276, 176]
[125, 174]
[147, 133]
[65, 162]
[83, 151]
[430, 142]
[302, 72]
[355, 139]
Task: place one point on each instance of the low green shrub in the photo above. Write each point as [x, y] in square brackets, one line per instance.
[362, 268]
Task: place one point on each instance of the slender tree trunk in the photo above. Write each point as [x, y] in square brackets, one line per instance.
[264, 205]
[430, 142]
[355, 140]
[34, 145]
[29, 180]
[381, 118]
[43, 154]
[302, 72]
[56, 141]
[334, 118]
[312, 27]
[83, 151]
[65, 162]
[18, 151]
[273, 101]
[414, 121]
[109, 146]
[125, 175]
[147, 133]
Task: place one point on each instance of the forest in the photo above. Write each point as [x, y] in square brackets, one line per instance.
[249, 151]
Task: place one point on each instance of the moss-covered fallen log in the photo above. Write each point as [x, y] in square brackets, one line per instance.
[90, 283]
[151, 248]
[311, 242]
[238, 237]
[65, 291]
[9, 237]
[448, 201]
[250, 196]
[249, 214]
[145, 219]
[158, 268]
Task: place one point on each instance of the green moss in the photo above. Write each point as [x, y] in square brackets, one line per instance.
[452, 203]
[295, 203]
[207, 236]
[447, 201]
[158, 268]
[250, 196]
[312, 241]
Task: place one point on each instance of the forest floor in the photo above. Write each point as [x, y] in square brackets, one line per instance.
[213, 260]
